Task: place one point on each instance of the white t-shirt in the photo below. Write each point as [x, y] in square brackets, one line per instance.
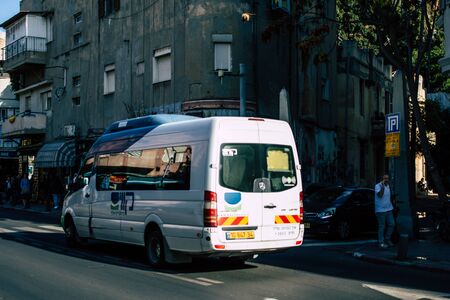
[383, 204]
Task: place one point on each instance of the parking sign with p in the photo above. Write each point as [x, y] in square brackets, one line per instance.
[393, 123]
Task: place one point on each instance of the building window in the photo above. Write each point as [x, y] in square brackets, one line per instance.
[140, 68]
[361, 97]
[3, 114]
[107, 7]
[162, 67]
[27, 103]
[49, 28]
[388, 105]
[109, 79]
[76, 81]
[77, 18]
[76, 101]
[46, 100]
[77, 39]
[222, 51]
[362, 159]
[222, 56]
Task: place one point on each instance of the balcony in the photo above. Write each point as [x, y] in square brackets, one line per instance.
[26, 50]
[27, 123]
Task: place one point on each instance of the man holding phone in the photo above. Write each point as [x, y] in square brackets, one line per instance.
[384, 212]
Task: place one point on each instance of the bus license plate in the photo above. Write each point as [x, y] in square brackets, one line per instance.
[240, 235]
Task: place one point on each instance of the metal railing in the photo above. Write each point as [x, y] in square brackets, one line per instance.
[24, 44]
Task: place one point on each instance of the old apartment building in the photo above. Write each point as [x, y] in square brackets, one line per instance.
[79, 65]
[445, 61]
[9, 107]
[365, 96]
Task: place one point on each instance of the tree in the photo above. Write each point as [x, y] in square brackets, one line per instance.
[404, 31]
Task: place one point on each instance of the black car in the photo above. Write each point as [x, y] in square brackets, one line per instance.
[340, 211]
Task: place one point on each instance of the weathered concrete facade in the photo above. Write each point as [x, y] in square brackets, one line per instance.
[128, 40]
[108, 59]
[364, 97]
[445, 61]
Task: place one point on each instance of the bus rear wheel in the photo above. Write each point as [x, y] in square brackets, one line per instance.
[155, 248]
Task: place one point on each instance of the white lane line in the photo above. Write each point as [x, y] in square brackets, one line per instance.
[209, 280]
[178, 277]
[4, 230]
[308, 243]
[52, 227]
[401, 293]
[32, 229]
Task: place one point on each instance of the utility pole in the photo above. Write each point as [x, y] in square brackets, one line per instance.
[242, 91]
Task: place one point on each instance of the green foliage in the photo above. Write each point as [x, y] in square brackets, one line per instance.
[400, 30]
[435, 80]
[351, 28]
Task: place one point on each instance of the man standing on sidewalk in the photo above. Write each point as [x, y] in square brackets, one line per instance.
[384, 212]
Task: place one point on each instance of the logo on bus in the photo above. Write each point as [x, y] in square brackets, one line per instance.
[233, 200]
[119, 202]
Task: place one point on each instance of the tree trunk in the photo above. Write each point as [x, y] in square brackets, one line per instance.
[431, 166]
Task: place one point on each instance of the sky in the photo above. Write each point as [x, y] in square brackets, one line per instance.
[8, 8]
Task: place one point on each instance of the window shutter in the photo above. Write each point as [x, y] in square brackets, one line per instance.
[116, 5]
[101, 8]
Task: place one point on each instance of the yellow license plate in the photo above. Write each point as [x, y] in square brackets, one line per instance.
[240, 235]
[307, 225]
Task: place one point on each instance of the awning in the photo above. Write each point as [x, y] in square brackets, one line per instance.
[56, 155]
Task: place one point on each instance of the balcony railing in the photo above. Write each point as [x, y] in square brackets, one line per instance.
[24, 123]
[23, 45]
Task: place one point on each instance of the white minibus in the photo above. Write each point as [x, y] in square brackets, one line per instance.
[183, 187]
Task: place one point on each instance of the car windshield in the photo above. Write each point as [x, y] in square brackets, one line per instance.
[329, 196]
[257, 167]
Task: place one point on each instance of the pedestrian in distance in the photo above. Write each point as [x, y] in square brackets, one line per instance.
[15, 183]
[25, 190]
[55, 189]
[9, 188]
[384, 212]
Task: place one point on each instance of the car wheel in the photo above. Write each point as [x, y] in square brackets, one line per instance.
[71, 233]
[155, 248]
[343, 229]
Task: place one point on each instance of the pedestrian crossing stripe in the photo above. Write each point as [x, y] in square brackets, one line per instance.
[52, 227]
[33, 229]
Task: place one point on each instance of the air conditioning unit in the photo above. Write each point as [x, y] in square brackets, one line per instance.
[69, 130]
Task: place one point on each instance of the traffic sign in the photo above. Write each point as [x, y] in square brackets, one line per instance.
[393, 144]
[392, 123]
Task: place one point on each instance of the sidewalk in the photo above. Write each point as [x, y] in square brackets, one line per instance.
[430, 255]
[34, 207]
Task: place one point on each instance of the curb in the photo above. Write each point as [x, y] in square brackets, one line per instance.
[386, 261]
[31, 210]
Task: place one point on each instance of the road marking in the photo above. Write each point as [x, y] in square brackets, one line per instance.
[210, 280]
[402, 293]
[173, 276]
[52, 227]
[310, 243]
[4, 230]
[32, 229]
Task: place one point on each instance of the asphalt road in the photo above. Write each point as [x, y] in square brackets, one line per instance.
[36, 264]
